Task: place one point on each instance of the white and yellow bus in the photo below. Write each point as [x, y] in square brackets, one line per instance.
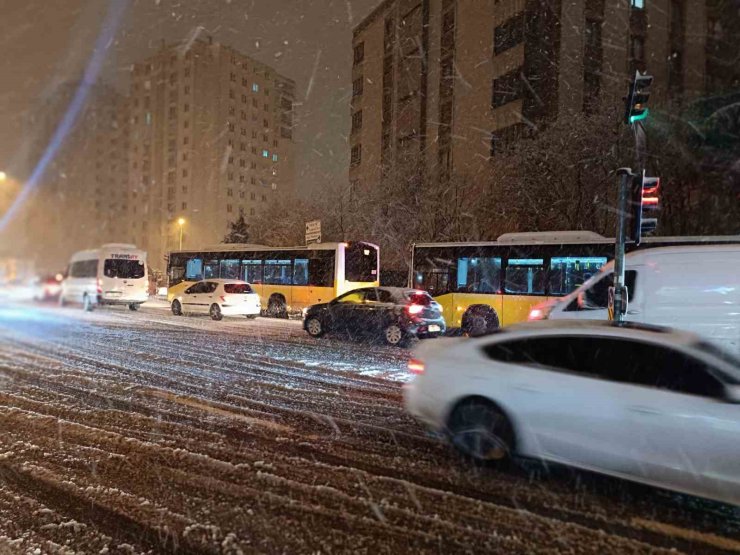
[287, 279]
[484, 285]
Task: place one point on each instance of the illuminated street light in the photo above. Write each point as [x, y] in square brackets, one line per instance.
[181, 223]
[3, 176]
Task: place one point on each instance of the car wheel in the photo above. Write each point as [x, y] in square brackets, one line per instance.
[481, 431]
[133, 306]
[176, 308]
[62, 301]
[314, 327]
[393, 335]
[215, 312]
[252, 316]
[87, 304]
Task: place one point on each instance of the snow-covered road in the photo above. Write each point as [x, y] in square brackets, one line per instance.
[143, 432]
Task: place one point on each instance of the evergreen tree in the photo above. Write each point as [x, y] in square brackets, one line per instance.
[238, 230]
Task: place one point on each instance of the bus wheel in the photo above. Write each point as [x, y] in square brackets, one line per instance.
[276, 307]
[87, 303]
[133, 306]
[480, 319]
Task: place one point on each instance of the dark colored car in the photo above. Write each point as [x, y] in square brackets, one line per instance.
[393, 313]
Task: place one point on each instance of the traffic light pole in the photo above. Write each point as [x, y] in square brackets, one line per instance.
[620, 289]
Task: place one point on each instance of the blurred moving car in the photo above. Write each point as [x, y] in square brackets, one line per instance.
[48, 288]
[394, 313]
[693, 288]
[218, 298]
[648, 404]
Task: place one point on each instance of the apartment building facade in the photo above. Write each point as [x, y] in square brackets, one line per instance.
[445, 83]
[211, 138]
[81, 199]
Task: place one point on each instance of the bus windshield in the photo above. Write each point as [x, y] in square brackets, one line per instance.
[124, 269]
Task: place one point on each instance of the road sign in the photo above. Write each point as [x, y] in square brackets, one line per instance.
[313, 231]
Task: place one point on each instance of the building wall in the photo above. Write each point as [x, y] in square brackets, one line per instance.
[498, 70]
[81, 199]
[212, 138]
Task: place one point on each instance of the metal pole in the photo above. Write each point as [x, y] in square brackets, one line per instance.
[620, 291]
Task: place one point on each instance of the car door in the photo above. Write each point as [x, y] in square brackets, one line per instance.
[192, 297]
[563, 405]
[209, 295]
[344, 311]
[378, 306]
[684, 430]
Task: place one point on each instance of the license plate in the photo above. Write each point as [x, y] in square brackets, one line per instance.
[434, 327]
[114, 293]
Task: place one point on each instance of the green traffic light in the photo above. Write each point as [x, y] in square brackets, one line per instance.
[638, 117]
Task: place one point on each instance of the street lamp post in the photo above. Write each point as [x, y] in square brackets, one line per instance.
[181, 223]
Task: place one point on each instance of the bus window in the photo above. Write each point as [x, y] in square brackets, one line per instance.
[567, 273]
[230, 269]
[211, 270]
[361, 263]
[252, 271]
[436, 281]
[321, 269]
[278, 272]
[479, 275]
[194, 269]
[526, 276]
[300, 271]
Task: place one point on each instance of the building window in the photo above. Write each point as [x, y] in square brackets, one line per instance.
[275, 143]
[506, 88]
[184, 189]
[231, 127]
[252, 196]
[358, 53]
[252, 181]
[231, 176]
[265, 154]
[186, 108]
[244, 131]
[357, 87]
[638, 4]
[242, 179]
[264, 198]
[253, 165]
[187, 89]
[184, 206]
[255, 87]
[244, 99]
[242, 163]
[185, 124]
[231, 94]
[274, 157]
[184, 156]
[148, 118]
[254, 150]
[229, 208]
[357, 121]
[508, 34]
[242, 146]
[229, 192]
[265, 123]
[356, 155]
[231, 159]
[232, 77]
[184, 173]
[251, 211]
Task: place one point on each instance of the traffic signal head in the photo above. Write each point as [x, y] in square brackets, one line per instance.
[645, 206]
[636, 101]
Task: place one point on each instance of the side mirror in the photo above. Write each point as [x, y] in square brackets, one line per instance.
[732, 393]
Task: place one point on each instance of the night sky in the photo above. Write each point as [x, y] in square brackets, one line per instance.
[45, 43]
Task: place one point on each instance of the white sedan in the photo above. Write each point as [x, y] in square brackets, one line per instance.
[643, 403]
[218, 298]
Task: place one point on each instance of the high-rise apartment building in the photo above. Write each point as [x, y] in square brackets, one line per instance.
[211, 137]
[440, 84]
[81, 199]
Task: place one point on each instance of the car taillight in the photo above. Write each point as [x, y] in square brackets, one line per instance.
[415, 308]
[100, 285]
[223, 299]
[416, 366]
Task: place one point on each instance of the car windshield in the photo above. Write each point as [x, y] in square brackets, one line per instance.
[237, 288]
[126, 269]
[336, 205]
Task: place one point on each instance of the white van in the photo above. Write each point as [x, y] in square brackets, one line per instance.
[693, 288]
[115, 273]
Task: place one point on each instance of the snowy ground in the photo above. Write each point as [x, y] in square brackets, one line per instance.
[130, 432]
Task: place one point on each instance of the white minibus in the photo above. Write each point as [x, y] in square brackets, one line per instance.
[116, 273]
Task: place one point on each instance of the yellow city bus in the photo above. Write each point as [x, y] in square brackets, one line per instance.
[484, 285]
[286, 278]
